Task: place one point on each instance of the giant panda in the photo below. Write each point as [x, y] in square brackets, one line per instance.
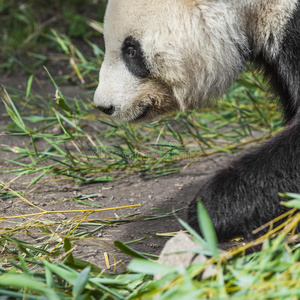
[168, 55]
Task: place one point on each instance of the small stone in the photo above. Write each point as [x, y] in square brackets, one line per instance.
[177, 253]
[56, 129]
[61, 216]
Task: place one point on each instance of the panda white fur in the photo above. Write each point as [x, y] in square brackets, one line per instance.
[177, 54]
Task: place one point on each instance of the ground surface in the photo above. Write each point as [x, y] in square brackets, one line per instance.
[156, 196]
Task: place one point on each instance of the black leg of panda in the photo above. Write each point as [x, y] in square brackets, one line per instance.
[244, 196]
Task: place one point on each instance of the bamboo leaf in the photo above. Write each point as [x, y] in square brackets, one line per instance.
[68, 276]
[62, 104]
[81, 282]
[207, 229]
[149, 267]
[68, 247]
[29, 84]
[129, 251]
[26, 282]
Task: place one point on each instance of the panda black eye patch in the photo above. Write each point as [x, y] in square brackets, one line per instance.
[134, 57]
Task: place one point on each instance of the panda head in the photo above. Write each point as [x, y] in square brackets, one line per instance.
[166, 55]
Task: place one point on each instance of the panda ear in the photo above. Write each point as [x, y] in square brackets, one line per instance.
[134, 57]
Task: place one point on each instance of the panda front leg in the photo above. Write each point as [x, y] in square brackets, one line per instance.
[244, 196]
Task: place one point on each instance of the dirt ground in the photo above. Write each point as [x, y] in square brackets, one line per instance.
[162, 195]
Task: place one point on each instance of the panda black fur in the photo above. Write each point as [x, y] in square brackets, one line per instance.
[176, 54]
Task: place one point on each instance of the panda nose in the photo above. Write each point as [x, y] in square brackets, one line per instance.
[107, 110]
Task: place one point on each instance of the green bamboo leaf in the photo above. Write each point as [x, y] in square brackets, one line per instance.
[292, 204]
[36, 179]
[16, 295]
[284, 294]
[61, 42]
[194, 233]
[15, 118]
[129, 251]
[97, 51]
[14, 114]
[110, 281]
[290, 195]
[297, 255]
[100, 179]
[65, 130]
[29, 84]
[81, 282]
[24, 245]
[87, 196]
[38, 119]
[104, 288]
[149, 267]
[247, 84]
[27, 282]
[49, 278]
[68, 276]
[67, 120]
[68, 247]
[80, 264]
[54, 83]
[23, 263]
[62, 104]
[108, 124]
[207, 229]
[88, 203]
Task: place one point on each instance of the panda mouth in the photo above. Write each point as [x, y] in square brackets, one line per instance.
[142, 114]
